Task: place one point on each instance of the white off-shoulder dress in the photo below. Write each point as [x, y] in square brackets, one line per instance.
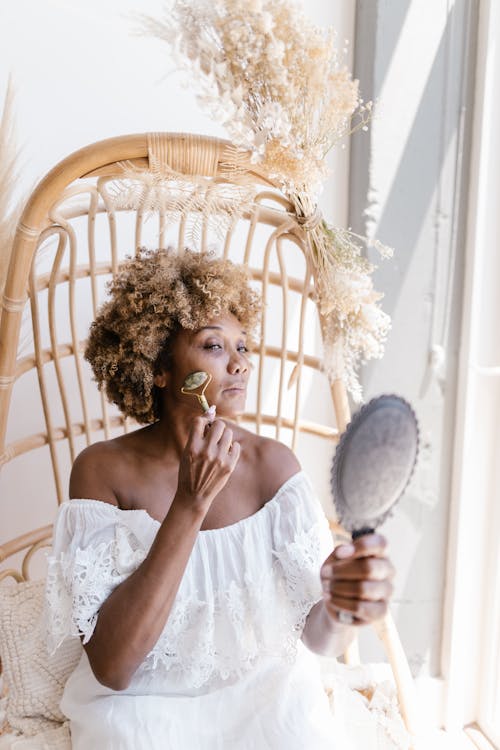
[229, 671]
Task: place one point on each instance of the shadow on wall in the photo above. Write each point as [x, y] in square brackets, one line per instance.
[420, 215]
[427, 143]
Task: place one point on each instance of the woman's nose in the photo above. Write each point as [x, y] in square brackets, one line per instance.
[238, 363]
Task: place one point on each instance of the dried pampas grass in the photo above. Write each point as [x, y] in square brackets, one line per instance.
[9, 176]
[280, 87]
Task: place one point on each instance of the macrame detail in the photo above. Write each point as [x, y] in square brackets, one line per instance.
[216, 204]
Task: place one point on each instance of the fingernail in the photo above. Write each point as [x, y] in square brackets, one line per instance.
[345, 550]
[210, 413]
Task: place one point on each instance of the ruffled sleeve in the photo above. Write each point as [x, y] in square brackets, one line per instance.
[303, 541]
[244, 596]
[92, 553]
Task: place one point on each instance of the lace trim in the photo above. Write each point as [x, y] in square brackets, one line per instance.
[301, 561]
[222, 636]
[79, 582]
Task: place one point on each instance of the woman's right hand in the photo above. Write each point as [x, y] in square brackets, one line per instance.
[208, 460]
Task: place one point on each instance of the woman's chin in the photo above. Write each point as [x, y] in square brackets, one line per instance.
[224, 408]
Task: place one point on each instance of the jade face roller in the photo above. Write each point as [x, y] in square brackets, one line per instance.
[196, 380]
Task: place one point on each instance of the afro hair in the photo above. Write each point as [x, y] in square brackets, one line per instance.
[152, 296]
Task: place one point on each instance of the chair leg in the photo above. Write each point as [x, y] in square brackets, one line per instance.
[386, 631]
[351, 654]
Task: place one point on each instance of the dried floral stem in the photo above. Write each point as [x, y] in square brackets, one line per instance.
[8, 179]
[281, 89]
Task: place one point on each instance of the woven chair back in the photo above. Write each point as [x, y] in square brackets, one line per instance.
[76, 229]
[93, 210]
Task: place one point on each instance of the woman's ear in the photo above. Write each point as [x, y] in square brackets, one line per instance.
[160, 379]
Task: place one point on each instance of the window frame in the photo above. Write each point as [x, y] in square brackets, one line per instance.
[471, 625]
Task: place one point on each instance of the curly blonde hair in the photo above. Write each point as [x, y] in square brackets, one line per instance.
[152, 297]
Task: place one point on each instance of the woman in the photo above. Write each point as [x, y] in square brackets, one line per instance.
[193, 559]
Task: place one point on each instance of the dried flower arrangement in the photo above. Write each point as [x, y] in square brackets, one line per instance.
[279, 86]
[9, 175]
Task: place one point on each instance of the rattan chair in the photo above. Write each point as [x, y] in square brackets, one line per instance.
[71, 238]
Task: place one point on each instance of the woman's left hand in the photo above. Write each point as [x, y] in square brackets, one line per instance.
[357, 581]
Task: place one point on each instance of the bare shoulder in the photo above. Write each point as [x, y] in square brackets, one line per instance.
[276, 463]
[93, 470]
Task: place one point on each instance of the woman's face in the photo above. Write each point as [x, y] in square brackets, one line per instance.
[219, 348]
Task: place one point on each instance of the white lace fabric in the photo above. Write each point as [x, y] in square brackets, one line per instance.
[244, 596]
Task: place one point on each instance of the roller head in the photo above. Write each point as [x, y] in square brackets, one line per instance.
[195, 380]
[192, 382]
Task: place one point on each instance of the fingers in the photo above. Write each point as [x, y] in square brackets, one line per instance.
[364, 612]
[357, 580]
[234, 454]
[366, 590]
[225, 441]
[375, 568]
[364, 546]
[364, 558]
[207, 462]
[197, 430]
[215, 433]
[204, 430]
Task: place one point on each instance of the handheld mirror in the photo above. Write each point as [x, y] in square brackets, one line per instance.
[373, 463]
[196, 380]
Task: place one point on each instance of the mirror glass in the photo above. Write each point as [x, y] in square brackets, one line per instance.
[373, 463]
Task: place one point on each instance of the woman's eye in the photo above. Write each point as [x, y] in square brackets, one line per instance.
[214, 346]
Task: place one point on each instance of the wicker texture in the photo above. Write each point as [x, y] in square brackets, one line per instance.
[35, 680]
[188, 154]
[48, 739]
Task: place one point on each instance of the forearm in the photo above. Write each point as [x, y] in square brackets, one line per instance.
[132, 618]
[324, 636]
